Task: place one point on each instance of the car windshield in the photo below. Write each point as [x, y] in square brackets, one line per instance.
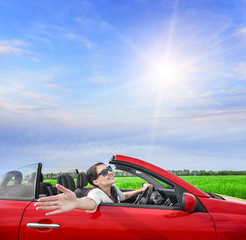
[19, 183]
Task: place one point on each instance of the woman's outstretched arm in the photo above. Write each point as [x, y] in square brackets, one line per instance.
[64, 202]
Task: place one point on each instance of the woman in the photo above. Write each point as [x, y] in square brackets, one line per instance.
[105, 191]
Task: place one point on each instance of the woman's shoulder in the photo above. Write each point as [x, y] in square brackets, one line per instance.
[95, 190]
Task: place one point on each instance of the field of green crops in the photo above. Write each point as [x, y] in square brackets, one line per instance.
[233, 185]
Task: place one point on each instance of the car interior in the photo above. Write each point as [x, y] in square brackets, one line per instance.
[21, 184]
[158, 194]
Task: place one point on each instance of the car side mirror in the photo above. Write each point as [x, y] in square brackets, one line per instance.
[189, 202]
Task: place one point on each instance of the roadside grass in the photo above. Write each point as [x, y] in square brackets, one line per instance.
[129, 182]
[230, 185]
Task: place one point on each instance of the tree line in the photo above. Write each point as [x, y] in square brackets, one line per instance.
[74, 175]
[187, 172]
[184, 172]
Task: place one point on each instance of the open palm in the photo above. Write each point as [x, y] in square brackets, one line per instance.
[60, 203]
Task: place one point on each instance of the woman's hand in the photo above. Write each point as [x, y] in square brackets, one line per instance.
[132, 193]
[145, 186]
[61, 203]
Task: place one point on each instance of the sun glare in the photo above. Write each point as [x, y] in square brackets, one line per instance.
[164, 73]
[167, 73]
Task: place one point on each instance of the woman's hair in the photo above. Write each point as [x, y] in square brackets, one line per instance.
[92, 173]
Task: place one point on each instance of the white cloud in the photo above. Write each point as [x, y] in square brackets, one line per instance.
[86, 22]
[48, 29]
[29, 107]
[78, 39]
[243, 31]
[240, 71]
[10, 50]
[51, 31]
[11, 47]
[61, 156]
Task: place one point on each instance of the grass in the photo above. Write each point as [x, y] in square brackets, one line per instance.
[231, 185]
[129, 182]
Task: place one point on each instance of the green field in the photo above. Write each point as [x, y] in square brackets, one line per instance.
[232, 185]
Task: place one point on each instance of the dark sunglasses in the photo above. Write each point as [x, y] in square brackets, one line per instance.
[104, 172]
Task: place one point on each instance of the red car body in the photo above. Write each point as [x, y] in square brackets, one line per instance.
[196, 215]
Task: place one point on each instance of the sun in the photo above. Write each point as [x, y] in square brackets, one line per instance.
[164, 73]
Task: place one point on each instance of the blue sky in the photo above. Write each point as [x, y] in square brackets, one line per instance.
[159, 80]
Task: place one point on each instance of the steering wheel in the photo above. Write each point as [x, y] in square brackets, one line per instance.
[144, 197]
[166, 199]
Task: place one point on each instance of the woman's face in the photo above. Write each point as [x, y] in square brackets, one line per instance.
[104, 181]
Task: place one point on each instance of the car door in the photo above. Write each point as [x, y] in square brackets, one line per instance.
[11, 213]
[121, 221]
[17, 190]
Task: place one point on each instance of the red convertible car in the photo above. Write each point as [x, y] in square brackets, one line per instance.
[170, 209]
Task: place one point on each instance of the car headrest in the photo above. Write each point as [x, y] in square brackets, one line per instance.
[81, 180]
[67, 181]
[32, 177]
[12, 174]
